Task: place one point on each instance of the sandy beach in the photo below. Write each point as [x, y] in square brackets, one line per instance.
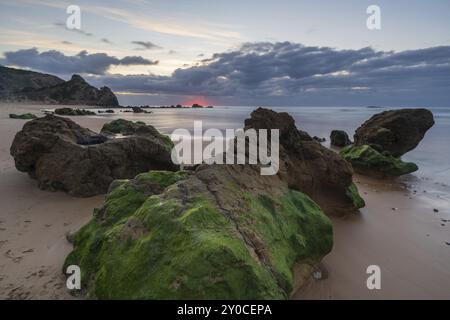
[398, 230]
[34, 223]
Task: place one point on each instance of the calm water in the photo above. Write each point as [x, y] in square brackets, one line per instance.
[432, 154]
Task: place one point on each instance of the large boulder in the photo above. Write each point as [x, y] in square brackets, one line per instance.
[395, 131]
[61, 155]
[308, 166]
[222, 232]
[339, 138]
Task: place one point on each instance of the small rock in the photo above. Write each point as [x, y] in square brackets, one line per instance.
[435, 210]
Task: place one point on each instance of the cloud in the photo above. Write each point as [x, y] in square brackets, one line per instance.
[289, 70]
[145, 45]
[281, 72]
[80, 31]
[104, 40]
[57, 62]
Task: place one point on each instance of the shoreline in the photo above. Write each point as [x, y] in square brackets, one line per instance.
[407, 243]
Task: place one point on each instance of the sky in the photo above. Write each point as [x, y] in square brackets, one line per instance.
[284, 52]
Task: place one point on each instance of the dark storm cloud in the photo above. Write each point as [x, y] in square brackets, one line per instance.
[265, 71]
[145, 45]
[56, 62]
[291, 70]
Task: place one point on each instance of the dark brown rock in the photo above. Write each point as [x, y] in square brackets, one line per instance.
[61, 155]
[395, 131]
[306, 165]
[339, 138]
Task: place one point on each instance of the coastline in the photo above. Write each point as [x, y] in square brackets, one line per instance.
[413, 264]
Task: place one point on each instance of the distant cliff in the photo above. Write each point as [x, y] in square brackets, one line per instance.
[27, 86]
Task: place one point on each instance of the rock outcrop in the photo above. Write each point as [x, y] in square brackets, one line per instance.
[395, 131]
[307, 166]
[222, 232]
[384, 138]
[218, 231]
[61, 155]
[339, 138]
[73, 112]
[29, 86]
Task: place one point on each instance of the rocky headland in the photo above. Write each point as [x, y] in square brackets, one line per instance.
[28, 86]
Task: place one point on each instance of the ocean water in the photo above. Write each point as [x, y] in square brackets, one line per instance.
[432, 154]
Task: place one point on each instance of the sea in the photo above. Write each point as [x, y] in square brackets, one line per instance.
[432, 155]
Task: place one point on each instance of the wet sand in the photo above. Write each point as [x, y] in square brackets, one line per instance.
[407, 243]
[399, 231]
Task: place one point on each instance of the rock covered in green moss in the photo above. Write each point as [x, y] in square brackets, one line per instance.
[122, 126]
[223, 232]
[366, 160]
[128, 128]
[352, 192]
[24, 116]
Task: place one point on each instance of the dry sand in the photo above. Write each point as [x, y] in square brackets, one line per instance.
[409, 243]
[34, 223]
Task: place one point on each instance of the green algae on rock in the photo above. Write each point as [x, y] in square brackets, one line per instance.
[128, 128]
[206, 235]
[366, 160]
[352, 192]
[122, 126]
[24, 116]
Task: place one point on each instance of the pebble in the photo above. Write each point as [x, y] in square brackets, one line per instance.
[435, 210]
[394, 209]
